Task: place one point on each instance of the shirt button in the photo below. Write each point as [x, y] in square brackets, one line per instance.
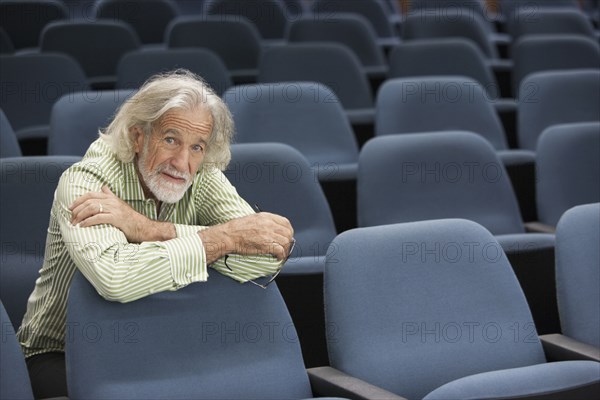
[151, 291]
[189, 275]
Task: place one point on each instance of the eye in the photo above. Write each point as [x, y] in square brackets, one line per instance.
[169, 140]
[197, 148]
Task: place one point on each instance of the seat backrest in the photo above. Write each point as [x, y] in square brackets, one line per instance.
[18, 273]
[536, 53]
[331, 64]
[452, 56]
[97, 46]
[578, 273]
[137, 66]
[31, 84]
[508, 8]
[232, 38]
[278, 179]
[6, 45]
[278, 113]
[479, 7]
[148, 18]
[28, 185]
[549, 21]
[436, 103]
[72, 135]
[556, 97]
[25, 20]
[9, 145]
[422, 176]
[373, 10]
[568, 169]
[352, 30]
[184, 344]
[269, 16]
[14, 378]
[417, 305]
[449, 22]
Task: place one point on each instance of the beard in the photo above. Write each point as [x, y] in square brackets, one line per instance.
[163, 189]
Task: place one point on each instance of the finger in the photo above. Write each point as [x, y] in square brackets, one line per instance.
[82, 199]
[93, 220]
[106, 190]
[85, 211]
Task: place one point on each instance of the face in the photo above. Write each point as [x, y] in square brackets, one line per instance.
[169, 158]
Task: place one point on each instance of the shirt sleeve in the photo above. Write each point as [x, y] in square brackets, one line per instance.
[219, 202]
[119, 270]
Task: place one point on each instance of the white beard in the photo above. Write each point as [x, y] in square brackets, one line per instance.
[164, 190]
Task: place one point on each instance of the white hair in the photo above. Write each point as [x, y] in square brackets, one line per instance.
[179, 89]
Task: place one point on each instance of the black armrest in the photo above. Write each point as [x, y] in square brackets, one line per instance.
[539, 227]
[327, 381]
[560, 348]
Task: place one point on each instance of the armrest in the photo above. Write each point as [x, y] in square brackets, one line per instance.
[539, 227]
[327, 381]
[560, 348]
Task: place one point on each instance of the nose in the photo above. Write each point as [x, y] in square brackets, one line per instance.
[180, 160]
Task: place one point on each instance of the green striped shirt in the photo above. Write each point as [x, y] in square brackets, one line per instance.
[123, 271]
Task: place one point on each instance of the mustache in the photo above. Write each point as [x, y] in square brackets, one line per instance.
[172, 171]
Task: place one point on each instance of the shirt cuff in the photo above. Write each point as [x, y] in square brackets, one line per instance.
[187, 230]
[187, 259]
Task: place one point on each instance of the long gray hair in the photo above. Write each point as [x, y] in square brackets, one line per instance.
[179, 89]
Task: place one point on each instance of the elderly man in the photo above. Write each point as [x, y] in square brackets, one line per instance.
[147, 210]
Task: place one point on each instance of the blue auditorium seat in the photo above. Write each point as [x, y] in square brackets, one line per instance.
[14, 377]
[137, 66]
[9, 145]
[537, 53]
[550, 21]
[556, 97]
[277, 112]
[30, 86]
[424, 310]
[269, 16]
[231, 341]
[424, 176]
[331, 64]
[70, 134]
[578, 273]
[568, 169]
[97, 46]
[234, 39]
[148, 18]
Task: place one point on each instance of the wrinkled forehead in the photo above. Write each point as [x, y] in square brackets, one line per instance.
[196, 121]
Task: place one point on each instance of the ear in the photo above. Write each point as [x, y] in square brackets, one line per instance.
[138, 138]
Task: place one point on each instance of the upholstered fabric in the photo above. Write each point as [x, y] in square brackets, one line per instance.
[331, 64]
[70, 134]
[556, 97]
[278, 179]
[9, 145]
[148, 18]
[214, 340]
[14, 378]
[421, 176]
[305, 115]
[45, 77]
[422, 104]
[542, 379]
[578, 273]
[417, 305]
[568, 169]
[538, 53]
[28, 185]
[137, 66]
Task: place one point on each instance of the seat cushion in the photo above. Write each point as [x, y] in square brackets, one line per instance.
[566, 379]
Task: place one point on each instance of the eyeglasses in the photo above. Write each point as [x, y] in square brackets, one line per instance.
[272, 278]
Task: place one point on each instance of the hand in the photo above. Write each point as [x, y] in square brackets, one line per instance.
[261, 233]
[95, 208]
